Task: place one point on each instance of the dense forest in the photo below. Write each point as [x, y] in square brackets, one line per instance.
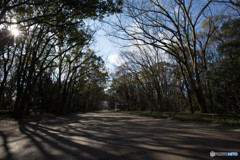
[179, 56]
[46, 64]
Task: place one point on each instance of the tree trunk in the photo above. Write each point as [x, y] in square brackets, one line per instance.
[190, 100]
[201, 100]
[196, 87]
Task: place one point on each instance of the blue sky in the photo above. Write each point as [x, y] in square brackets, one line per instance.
[108, 50]
[105, 47]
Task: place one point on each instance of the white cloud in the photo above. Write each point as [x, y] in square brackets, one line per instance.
[115, 59]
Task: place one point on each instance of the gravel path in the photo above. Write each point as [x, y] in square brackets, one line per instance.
[114, 136]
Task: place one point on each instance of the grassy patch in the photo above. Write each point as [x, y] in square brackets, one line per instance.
[233, 120]
[5, 112]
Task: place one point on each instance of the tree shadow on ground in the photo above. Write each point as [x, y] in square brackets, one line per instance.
[5, 146]
[114, 136]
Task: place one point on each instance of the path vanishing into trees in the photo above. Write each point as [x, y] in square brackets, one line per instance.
[114, 136]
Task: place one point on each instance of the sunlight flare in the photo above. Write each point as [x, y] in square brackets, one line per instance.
[14, 30]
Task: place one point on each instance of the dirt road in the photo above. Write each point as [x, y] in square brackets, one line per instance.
[114, 136]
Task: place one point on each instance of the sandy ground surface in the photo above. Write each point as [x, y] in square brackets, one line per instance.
[114, 136]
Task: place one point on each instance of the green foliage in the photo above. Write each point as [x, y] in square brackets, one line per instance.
[47, 11]
[80, 87]
[227, 73]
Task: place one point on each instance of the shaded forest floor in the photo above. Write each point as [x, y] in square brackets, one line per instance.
[113, 136]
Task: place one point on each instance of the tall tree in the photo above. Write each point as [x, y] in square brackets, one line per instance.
[227, 74]
[48, 30]
[172, 26]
